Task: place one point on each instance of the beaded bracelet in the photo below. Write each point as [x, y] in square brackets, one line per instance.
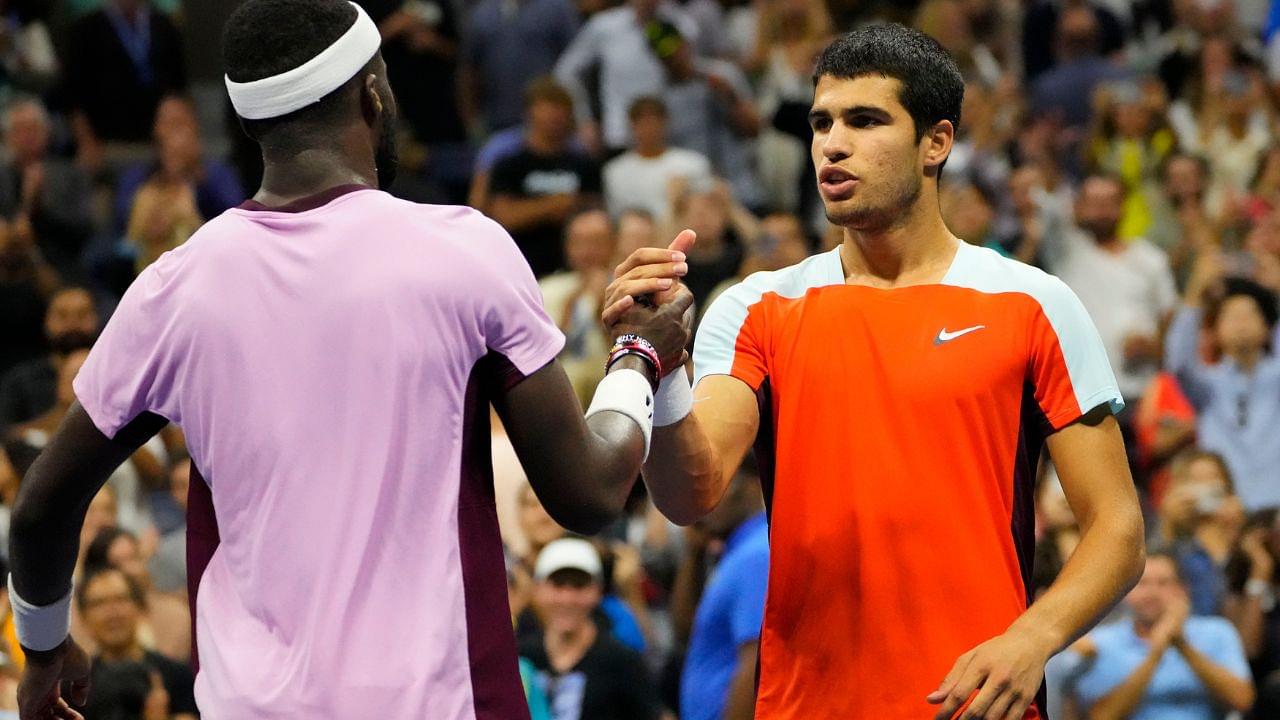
[631, 344]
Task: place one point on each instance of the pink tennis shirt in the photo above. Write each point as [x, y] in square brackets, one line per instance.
[331, 364]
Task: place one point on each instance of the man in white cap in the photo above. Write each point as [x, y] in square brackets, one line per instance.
[586, 672]
[330, 353]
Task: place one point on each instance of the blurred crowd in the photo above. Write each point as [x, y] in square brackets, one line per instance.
[1131, 148]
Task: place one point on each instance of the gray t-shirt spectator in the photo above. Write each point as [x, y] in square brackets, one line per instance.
[614, 41]
[701, 122]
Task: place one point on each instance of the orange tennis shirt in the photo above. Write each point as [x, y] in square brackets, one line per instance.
[900, 431]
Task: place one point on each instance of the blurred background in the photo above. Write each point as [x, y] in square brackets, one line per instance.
[1127, 147]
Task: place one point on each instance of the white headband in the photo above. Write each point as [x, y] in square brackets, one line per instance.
[309, 82]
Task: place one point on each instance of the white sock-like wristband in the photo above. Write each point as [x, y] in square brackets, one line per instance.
[40, 627]
[628, 392]
[674, 399]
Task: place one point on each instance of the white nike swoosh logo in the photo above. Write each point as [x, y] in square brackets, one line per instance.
[944, 336]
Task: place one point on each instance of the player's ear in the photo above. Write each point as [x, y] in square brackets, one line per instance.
[936, 143]
[371, 100]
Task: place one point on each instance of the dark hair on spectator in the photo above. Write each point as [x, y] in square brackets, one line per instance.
[136, 593]
[1183, 459]
[98, 554]
[264, 38]
[932, 86]
[547, 89]
[1167, 554]
[646, 105]
[1236, 287]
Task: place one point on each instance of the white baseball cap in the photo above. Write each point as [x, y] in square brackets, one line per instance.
[565, 554]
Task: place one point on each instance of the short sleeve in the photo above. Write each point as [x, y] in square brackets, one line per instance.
[747, 614]
[1223, 646]
[514, 322]
[135, 364]
[1068, 363]
[729, 341]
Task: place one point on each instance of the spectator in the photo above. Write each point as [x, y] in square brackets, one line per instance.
[1237, 394]
[26, 282]
[420, 43]
[725, 229]
[28, 60]
[1127, 287]
[1163, 664]
[168, 566]
[1130, 140]
[1181, 222]
[1041, 29]
[717, 117]
[535, 190]
[615, 42]
[180, 158]
[165, 211]
[1204, 518]
[1164, 424]
[123, 59]
[30, 389]
[573, 298]
[718, 680]
[642, 177]
[166, 627]
[128, 680]
[617, 616]
[1255, 597]
[636, 229]
[789, 36]
[586, 673]
[51, 193]
[508, 45]
[1066, 90]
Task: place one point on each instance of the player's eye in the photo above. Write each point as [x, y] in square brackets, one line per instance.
[865, 121]
[820, 124]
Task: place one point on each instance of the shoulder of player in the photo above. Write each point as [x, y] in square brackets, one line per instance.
[987, 271]
[1209, 626]
[788, 282]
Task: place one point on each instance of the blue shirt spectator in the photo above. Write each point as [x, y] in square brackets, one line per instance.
[729, 616]
[1175, 692]
[509, 43]
[1238, 407]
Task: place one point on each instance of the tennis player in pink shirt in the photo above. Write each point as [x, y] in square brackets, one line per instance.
[330, 353]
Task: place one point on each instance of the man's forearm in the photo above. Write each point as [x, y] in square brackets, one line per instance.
[741, 703]
[1104, 566]
[684, 475]
[1228, 689]
[1121, 702]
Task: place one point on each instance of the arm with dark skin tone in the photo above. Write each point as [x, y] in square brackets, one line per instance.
[582, 471]
[741, 704]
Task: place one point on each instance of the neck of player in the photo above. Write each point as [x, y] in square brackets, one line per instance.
[291, 176]
[915, 249]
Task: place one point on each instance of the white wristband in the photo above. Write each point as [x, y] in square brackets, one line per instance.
[674, 398]
[40, 627]
[628, 392]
